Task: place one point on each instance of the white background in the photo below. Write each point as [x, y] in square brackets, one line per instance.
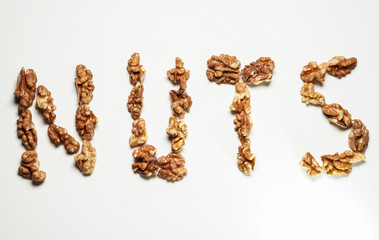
[215, 200]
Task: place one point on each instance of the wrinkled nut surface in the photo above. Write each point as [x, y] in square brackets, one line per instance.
[246, 160]
[310, 165]
[312, 71]
[181, 103]
[135, 102]
[177, 130]
[340, 66]
[243, 123]
[309, 96]
[340, 164]
[223, 69]
[241, 100]
[26, 130]
[259, 71]
[84, 84]
[26, 88]
[30, 167]
[337, 115]
[85, 122]
[358, 137]
[172, 167]
[137, 72]
[59, 135]
[86, 160]
[45, 103]
[145, 161]
[139, 133]
[179, 74]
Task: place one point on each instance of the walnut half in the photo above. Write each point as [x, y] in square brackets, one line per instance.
[177, 130]
[30, 167]
[135, 102]
[241, 100]
[243, 126]
[26, 88]
[179, 74]
[137, 72]
[259, 71]
[340, 66]
[139, 133]
[84, 84]
[181, 103]
[312, 71]
[246, 160]
[309, 96]
[86, 160]
[45, 103]
[224, 69]
[145, 161]
[340, 164]
[358, 137]
[26, 130]
[172, 167]
[310, 165]
[85, 122]
[59, 135]
[337, 115]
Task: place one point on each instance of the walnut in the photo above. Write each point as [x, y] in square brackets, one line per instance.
[30, 167]
[145, 161]
[26, 130]
[223, 69]
[243, 126]
[137, 72]
[135, 102]
[139, 133]
[177, 130]
[309, 96]
[85, 122]
[26, 88]
[45, 103]
[179, 74]
[59, 135]
[340, 66]
[241, 101]
[259, 71]
[310, 165]
[312, 71]
[86, 160]
[84, 84]
[172, 167]
[340, 164]
[358, 137]
[246, 160]
[337, 115]
[180, 103]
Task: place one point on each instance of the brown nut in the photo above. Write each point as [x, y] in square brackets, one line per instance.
[337, 115]
[312, 71]
[135, 102]
[59, 135]
[139, 133]
[45, 103]
[246, 160]
[259, 71]
[223, 69]
[145, 161]
[26, 130]
[84, 84]
[180, 103]
[241, 100]
[30, 167]
[309, 96]
[243, 126]
[172, 167]
[177, 130]
[358, 137]
[86, 160]
[179, 74]
[85, 122]
[137, 72]
[310, 165]
[340, 164]
[340, 66]
[26, 88]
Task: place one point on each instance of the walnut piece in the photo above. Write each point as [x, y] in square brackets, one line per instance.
[310, 165]
[246, 160]
[223, 69]
[312, 71]
[358, 137]
[337, 115]
[179, 74]
[139, 133]
[59, 135]
[180, 103]
[84, 84]
[309, 96]
[86, 160]
[241, 101]
[135, 102]
[340, 66]
[30, 167]
[172, 167]
[26, 130]
[85, 122]
[45, 103]
[177, 130]
[340, 164]
[145, 161]
[137, 72]
[259, 71]
[26, 88]
[243, 126]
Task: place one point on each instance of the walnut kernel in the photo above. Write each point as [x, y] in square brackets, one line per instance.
[59, 135]
[340, 164]
[26, 130]
[223, 69]
[145, 161]
[358, 137]
[246, 160]
[45, 103]
[312, 71]
[310, 165]
[241, 100]
[86, 160]
[309, 96]
[243, 123]
[172, 167]
[135, 102]
[30, 167]
[177, 130]
[337, 115]
[180, 103]
[179, 74]
[259, 71]
[85, 122]
[137, 72]
[139, 133]
[340, 66]
[84, 84]
[26, 88]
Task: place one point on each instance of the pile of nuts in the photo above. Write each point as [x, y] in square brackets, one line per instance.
[337, 164]
[225, 69]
